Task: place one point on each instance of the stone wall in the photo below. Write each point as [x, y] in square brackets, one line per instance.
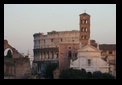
[52, 39]
[17, 67]
[64, 59]
[22, 68]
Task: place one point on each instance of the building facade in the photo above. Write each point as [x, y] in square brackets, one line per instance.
[89, 58]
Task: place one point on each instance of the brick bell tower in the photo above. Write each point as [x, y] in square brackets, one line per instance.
[84, 28]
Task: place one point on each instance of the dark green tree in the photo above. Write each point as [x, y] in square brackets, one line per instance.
[108, 76]
[49, 70]
[89, 75]
[97, 75]
[83, 74]
[71, 73]
[9, 54]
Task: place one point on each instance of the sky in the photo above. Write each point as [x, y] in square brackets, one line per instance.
[21, 21]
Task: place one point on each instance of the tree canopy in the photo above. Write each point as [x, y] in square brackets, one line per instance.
[71, 73]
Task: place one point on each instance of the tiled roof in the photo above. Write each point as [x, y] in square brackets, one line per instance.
[107, 46]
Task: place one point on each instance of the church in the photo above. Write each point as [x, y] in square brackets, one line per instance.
[89, 58]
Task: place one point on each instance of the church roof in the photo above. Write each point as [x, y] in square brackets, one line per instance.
[107, 47]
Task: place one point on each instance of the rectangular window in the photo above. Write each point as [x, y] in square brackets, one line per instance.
[61, 40]
[51, 40]
[110, 52]
[44, 40]
[89, 62]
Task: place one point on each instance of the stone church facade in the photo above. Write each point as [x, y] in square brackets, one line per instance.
[89, 58]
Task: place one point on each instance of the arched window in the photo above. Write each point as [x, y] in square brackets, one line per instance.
[82, 37]
[57, 55]
[89, 62]
[52, 55]
[82, 21]
[86, 29]
[86, 22]
[83, 29]
[48, 55]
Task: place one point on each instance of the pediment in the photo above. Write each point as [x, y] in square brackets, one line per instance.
[89, 48]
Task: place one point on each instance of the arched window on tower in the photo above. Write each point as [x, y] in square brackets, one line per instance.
[86, 29]
[81, 37]
[86, 21]
[85, 37]
[82, 21]
[82, 29]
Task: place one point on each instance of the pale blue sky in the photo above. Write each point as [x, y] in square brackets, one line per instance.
[21, 21]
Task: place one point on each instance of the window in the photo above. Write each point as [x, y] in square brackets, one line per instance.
[48, 55]
[52, 55]
[110, 52]
[82, 29]
[89, 62]
[86, 29]
[57, 55]
[76, 54]
[44, 40]
[82, 21]
[61, 39]
[51, 40]
[44, 55]
[86, 21]
[69, 54]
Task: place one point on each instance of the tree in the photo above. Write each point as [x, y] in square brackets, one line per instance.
[49, 70]
[108, 76]
[89, 75]
[100, 75]
[83, 74]
[97, 75]
[9, 54]
[71, 73]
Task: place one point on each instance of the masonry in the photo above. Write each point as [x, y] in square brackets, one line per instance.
[61, 46]
[17, 66]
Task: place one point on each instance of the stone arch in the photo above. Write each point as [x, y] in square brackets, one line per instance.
[6, 51]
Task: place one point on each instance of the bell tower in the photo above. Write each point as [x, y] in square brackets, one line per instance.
[84, 28]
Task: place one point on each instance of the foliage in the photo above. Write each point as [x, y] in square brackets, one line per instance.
[71, 73]
[49, 70]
